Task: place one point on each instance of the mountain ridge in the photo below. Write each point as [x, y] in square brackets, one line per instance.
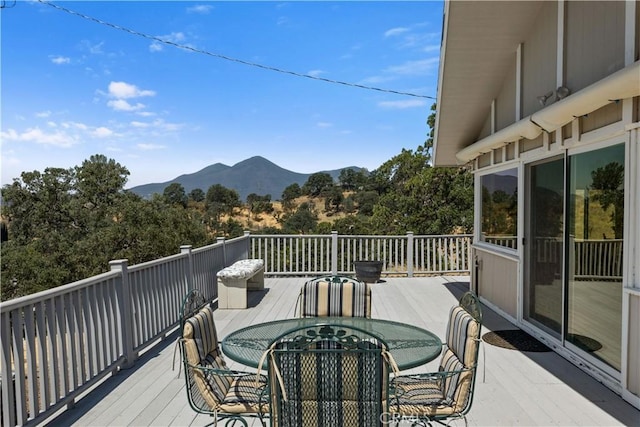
[253, 175]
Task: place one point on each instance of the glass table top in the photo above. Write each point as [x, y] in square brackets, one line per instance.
[409, 345]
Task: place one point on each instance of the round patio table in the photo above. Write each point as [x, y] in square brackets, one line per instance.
[409, 345]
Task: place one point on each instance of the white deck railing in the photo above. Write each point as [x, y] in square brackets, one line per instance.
[287, 255]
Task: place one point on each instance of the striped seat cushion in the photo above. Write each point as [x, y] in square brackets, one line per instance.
[327, 297]
[462, 335]
[212, 384]
[243, 396]
[446, 394]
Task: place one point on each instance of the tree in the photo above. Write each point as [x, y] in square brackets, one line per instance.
[416, 197]
[289, 194]
[219, 201]
[302, 221]
[197, 195]
[64, 225]
[174, 194]
[351, 179]
[258, 204]
[366, 200]
[333, 198]
[316, 183]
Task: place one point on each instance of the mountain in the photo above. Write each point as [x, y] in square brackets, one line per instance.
[254, 175]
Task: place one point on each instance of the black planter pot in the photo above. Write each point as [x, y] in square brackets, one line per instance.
[368, 271]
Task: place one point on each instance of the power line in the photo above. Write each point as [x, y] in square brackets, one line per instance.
[228, 58]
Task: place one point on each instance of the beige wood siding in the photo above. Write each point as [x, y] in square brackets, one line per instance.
[497, 281]
[506, 101]
[606, 115]
[531, 144]
[594, 43]
[633, 376]
[539, 60]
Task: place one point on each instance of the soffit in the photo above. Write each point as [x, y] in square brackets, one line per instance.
[479, 47]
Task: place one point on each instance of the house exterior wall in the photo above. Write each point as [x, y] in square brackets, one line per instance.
[576, 45]
[497, 280]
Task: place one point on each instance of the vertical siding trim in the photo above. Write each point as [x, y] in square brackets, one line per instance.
[560, 45]
[629, 32]
[493, 116]
[518, 110]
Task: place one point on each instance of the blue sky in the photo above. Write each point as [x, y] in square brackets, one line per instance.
[72, 87]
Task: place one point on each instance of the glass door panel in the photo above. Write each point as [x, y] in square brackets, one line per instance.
[594, 273]
[544, 245]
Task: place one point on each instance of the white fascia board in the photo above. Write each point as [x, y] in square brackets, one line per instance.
[524, 128]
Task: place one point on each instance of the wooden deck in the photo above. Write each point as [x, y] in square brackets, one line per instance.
[519, 388]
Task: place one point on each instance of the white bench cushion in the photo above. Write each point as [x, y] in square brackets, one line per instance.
[241, 269]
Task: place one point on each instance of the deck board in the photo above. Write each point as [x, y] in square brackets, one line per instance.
[527, 389]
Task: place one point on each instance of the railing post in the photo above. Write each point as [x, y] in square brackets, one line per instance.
[186, 249]
[221, 240]
[409, 253]
[126, 311]
[334, 253]
[247, 235]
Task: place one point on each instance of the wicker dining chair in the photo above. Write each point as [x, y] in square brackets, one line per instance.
[448, 393]
[213, 388]
[335, 296]
[328, 375]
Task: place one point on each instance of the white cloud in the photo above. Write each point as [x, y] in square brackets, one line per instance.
[58, 139]
[324, 124]
[122, 105]
[43, 114]
[201, 9]
[315, 73]
[422, 66]
[59, 60]
[395, 31]
[95, 49]
[145, 113]
[155, 47]
[149, 147]
[74, 125]
[122, 90]
[102, 132]
[401, 105]
[136, 124]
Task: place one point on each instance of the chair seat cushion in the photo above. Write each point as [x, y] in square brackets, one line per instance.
[420, 397]
[243, 396]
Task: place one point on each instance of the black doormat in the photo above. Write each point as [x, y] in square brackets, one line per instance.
[514, 339]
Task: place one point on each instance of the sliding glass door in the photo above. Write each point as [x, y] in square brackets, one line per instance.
[595, 230]
[574, 224]
[543, 245]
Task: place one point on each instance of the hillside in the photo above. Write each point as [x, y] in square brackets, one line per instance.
[254, 175]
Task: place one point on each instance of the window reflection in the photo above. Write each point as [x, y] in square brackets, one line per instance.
[500, 208]
[595, 239]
